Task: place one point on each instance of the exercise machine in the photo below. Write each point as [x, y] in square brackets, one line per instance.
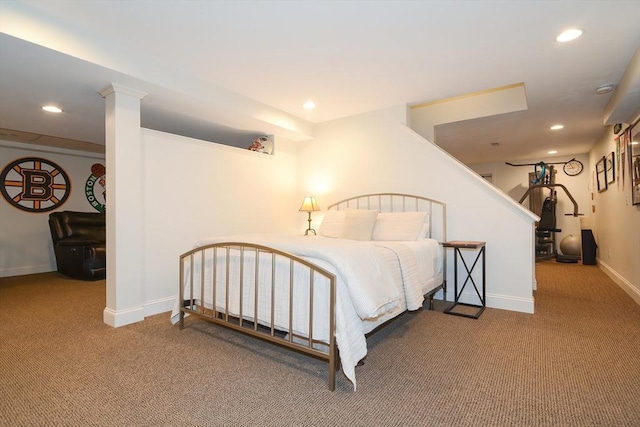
[543, 177]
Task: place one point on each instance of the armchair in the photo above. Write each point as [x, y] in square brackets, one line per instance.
[79, 244]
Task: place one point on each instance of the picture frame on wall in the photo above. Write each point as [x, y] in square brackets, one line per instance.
[633, 152]
[611, 168]
[601, 174]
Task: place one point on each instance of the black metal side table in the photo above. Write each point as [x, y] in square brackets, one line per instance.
[457, 246]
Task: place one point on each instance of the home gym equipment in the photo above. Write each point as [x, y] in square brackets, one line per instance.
[570, 245]
[543, 176]
[570, 249]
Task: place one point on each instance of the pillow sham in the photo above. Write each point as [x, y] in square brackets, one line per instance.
[332, 224]
[425, 230]
[398, 226]
[358, 224]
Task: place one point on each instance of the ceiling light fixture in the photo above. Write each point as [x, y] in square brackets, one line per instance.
[556, 127]
[52, 109]
[309, 105]
[552, 152]
[568, 35]
[601, 90]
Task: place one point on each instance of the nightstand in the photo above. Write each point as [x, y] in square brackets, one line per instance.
[479, 247]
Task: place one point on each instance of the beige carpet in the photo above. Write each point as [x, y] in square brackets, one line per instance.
[576, 362]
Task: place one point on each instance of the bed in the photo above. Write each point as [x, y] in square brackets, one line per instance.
[376, 256]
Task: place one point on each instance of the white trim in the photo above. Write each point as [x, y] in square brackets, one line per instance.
[137, 314]
[122, 317]
[158, 306]
[502, 302]
[118, 88]
[620, 281]
[507, 302]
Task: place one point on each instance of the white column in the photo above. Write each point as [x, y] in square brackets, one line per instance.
[125, 296]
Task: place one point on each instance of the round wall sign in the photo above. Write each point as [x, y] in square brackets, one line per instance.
[34, 185]
[95, 189]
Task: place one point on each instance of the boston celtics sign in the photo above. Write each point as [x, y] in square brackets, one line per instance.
[96, 187]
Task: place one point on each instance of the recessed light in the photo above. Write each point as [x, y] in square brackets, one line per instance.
[552, 152]
[52, 109]
[309, 105]
[568, 35]
[556, 127]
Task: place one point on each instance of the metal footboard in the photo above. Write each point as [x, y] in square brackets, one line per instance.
[223, 283]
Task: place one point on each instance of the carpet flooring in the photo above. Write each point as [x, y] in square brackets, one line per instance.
[575, 362]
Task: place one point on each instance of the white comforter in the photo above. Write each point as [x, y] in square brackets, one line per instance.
[364, 287]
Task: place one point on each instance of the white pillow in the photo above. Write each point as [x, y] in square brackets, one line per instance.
[358, 224]
[400, 226]
[332, 224]
[424, 231]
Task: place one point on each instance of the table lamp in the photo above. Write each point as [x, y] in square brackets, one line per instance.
[309, 204]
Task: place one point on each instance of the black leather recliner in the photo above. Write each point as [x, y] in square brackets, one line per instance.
[79, 244]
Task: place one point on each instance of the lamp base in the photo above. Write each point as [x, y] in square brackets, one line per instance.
[310, 230]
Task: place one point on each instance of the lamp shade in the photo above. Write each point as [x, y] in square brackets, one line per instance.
[309, 204]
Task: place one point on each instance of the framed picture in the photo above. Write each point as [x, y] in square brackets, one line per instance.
[633, 152]
[601, 174]
[611, 168]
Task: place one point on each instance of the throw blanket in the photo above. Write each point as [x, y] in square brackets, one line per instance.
[409, 269]
[358, 265]
[364, 289]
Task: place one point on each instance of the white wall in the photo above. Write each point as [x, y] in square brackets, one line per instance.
[376, 152]
[191, 190]
[617, 225]
[25, 239]
[614, 221]
[195, 189]
[514, 180]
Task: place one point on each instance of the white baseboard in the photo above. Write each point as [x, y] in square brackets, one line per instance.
[122, 317]
[158, 306]
[137, 314]
[502, 302]
[620, 281]
[508, 302]
[30, 269]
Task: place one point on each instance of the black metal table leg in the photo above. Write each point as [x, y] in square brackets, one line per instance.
[481, 294]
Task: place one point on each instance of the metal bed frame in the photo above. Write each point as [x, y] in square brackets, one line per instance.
[247, 323]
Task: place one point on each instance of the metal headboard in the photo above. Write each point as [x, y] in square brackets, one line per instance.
[398, 202]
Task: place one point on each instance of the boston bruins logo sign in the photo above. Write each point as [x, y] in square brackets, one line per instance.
[34, 185]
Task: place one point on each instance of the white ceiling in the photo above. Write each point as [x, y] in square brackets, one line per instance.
[205, 64]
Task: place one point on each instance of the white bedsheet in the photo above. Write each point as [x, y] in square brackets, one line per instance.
[370, 286]
[428, 254]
